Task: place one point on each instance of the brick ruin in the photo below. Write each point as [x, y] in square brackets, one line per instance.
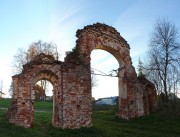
[71, 80]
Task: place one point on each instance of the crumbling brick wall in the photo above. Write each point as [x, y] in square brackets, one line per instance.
[71, 92]
[71, 80]
[132, 91]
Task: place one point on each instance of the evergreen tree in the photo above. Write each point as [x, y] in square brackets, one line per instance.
[140, 68]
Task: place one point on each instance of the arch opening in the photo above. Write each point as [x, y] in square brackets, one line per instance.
[46, 81]
[43, 102]
[43, 90]
[112, 52]
[104, 67]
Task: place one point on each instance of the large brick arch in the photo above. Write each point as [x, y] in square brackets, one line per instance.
[131, 91]
[71, 80]
[101, 36]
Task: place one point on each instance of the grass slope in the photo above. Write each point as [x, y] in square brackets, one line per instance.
[105, 124]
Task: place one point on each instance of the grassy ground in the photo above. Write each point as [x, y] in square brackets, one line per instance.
[5, 103]
[39, 105]
[105, 124]
[43, 106]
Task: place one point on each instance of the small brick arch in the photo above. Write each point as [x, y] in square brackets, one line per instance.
[71, 80]
[44, 75]
[53, 79]
[21, 111]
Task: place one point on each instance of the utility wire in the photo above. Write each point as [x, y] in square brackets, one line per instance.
[99, 71]
[102, 73]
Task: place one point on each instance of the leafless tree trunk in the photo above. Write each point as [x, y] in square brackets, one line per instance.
[164, 55]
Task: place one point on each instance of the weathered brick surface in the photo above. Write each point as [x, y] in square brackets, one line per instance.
[71, 80]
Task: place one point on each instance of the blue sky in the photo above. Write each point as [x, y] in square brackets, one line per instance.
[26, 21]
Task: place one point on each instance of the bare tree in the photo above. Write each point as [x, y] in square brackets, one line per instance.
[39, 93]
[11, 89]
[22, 56]
[19, 61]
[94, 80]
[164, 55]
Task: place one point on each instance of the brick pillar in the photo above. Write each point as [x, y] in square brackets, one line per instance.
[77, 105]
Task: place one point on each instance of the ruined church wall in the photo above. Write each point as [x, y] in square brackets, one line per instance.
[71, 80]
[21, 111]
[77, 104]
[131, 91]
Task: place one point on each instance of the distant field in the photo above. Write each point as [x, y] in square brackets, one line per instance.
[105, 124]
[39, 105]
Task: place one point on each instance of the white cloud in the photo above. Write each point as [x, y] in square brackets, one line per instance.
[63, 26]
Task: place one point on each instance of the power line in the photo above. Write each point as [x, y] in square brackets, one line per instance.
[99, 71]
[105, 74]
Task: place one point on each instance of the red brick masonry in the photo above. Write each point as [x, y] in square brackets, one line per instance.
[71, 80]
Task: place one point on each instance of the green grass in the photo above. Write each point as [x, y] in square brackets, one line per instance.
[147, 126]
[39, 105]
[105, 124]
[5, 103]
[44, 106]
